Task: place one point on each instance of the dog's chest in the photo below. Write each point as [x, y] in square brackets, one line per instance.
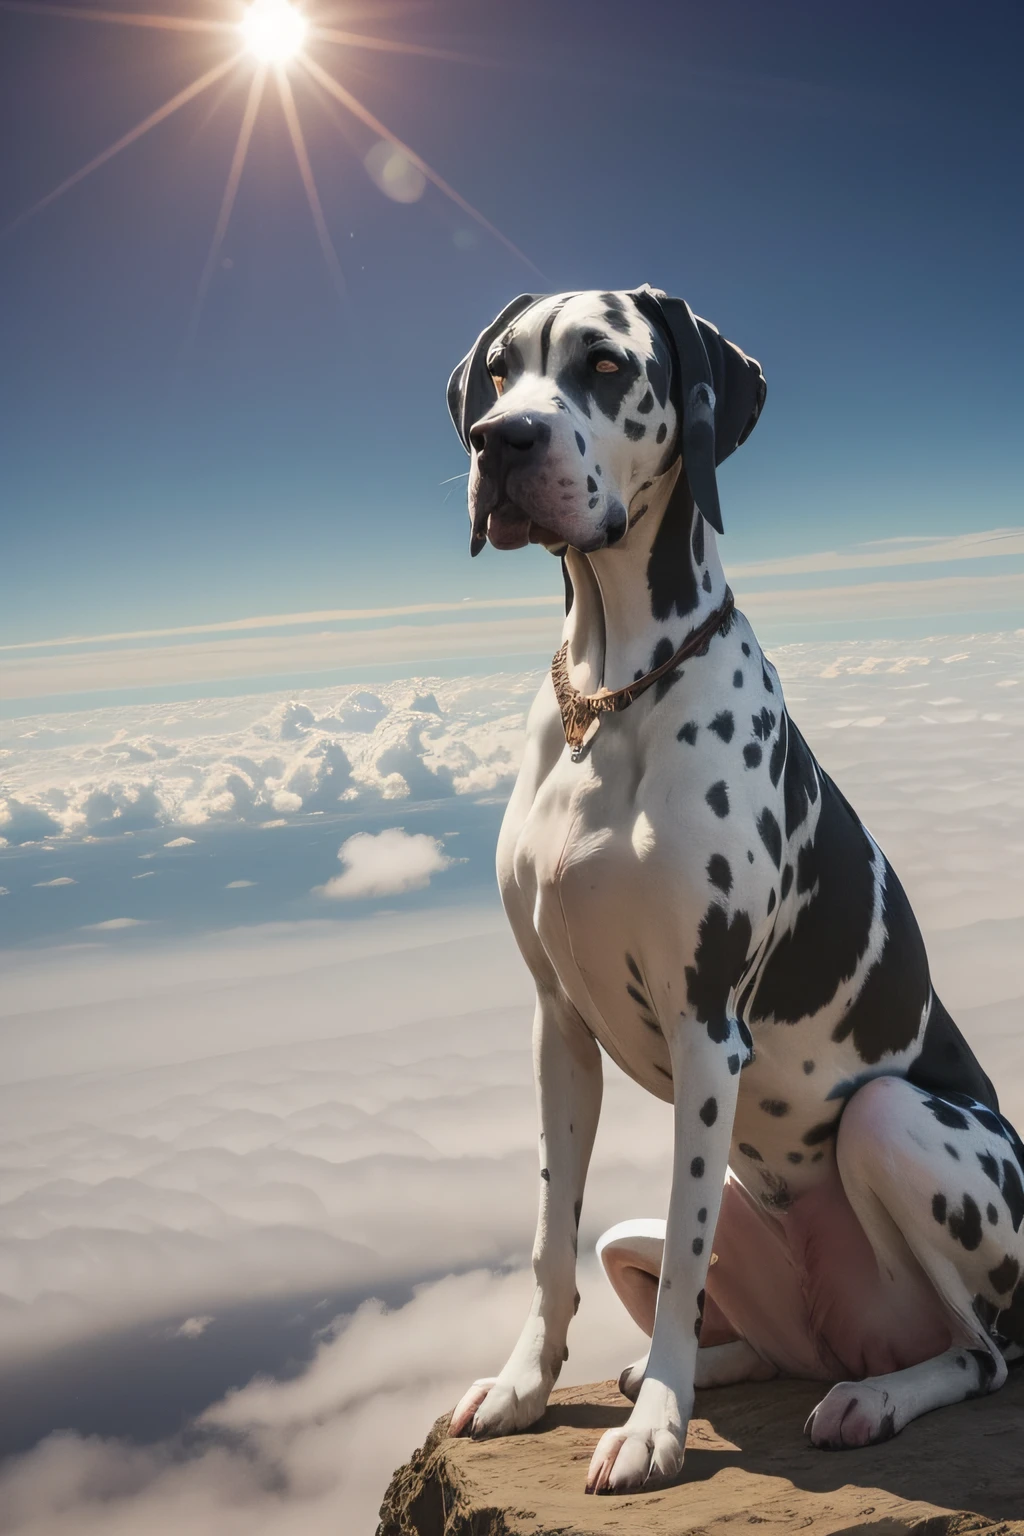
[598, 868]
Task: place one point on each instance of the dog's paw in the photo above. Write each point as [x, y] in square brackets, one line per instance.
[632, 1379]
[495, 1407]
[853, 1414]
[628, 1460]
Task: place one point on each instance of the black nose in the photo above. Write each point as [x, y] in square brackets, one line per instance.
[510, 437]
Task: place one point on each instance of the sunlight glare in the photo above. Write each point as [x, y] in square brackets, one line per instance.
[274, 30]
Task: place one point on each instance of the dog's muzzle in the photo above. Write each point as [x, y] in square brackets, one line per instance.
[507, 447]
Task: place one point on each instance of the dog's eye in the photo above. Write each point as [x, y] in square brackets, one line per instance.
[498, 371]
[604, 364]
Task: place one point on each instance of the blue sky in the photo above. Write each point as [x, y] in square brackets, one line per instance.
[834, 186]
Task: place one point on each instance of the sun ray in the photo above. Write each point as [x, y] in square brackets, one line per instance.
[180, 100]
[387, 45]
[366, 116]
[291, 117]
[252, 106]
[120, 18]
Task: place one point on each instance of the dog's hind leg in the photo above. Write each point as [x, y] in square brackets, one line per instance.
[936, 1186]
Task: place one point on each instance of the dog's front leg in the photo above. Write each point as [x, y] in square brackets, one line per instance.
[567, 1068]
[648, 1450]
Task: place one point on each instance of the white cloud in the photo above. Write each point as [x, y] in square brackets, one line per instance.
[112, 923]
[193, 1327]
[385, 864]
[60, 880]
[180, 842]
[4, 891]
[239, 885]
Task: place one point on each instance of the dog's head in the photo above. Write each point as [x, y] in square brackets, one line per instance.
[572, 405]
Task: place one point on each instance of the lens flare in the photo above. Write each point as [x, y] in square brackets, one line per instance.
[274, 30]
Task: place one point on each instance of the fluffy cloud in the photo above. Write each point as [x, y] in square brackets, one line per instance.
[257, 761]
[385, 864]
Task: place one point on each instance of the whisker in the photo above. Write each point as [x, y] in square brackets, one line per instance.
[366, 116]
[463, 476]
[180, 100]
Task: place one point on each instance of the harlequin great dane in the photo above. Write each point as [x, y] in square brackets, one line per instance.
[693, 893]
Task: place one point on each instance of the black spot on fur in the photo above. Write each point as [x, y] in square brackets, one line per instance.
[745, 648]
[545, 1175]
[771, 902]
[946, 1062]
[657, 373]
[762, 723]
[752, 755]
[965, 1224]
[719, 872]
[992, 1214]
[800, 784]
[687, 733]
[591, 483]
[771, 836]
[766, 680]
[646, 405]
[806, 870]
[709, 1111]
[787, 880]
[697, 540]
[819, 1133]
[580, 444]
[733, 1063]
[830, 933]
[808, 1067]
[634, 430]
[1013, 1193]
[634, 969]
[1005, 1275]
[705, 581]
[939, 1208]
[723, 725]
[737, 678]
[749, 1151]
[954, 1154]
[947, 1115]
[795, 1157]
[775, 1107]
[661, 434]
[990, 1167]
[697, 1167]
[702, 1214]
[722, 946]
[698, 1245]
[662, 652]
[718, 798]
[777, 761]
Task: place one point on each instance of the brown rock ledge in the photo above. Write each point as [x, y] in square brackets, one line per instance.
[959, 1472]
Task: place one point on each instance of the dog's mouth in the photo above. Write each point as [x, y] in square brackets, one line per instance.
[509, 527]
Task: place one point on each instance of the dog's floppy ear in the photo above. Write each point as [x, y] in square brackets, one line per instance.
[471, 391]
[717, 390]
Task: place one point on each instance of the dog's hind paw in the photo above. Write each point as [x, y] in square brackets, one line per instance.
[853, 1414]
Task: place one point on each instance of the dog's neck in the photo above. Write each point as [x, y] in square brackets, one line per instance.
[634, 604]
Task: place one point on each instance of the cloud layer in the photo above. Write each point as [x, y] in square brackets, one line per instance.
[304, 1116]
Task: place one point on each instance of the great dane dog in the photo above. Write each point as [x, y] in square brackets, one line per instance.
[693, 893]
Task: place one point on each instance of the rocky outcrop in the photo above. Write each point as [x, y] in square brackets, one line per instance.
[959, 1472]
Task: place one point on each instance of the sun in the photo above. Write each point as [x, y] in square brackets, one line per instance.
[271, 35]
[274, 30]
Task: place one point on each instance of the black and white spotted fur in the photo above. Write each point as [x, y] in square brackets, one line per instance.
[696, 896]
